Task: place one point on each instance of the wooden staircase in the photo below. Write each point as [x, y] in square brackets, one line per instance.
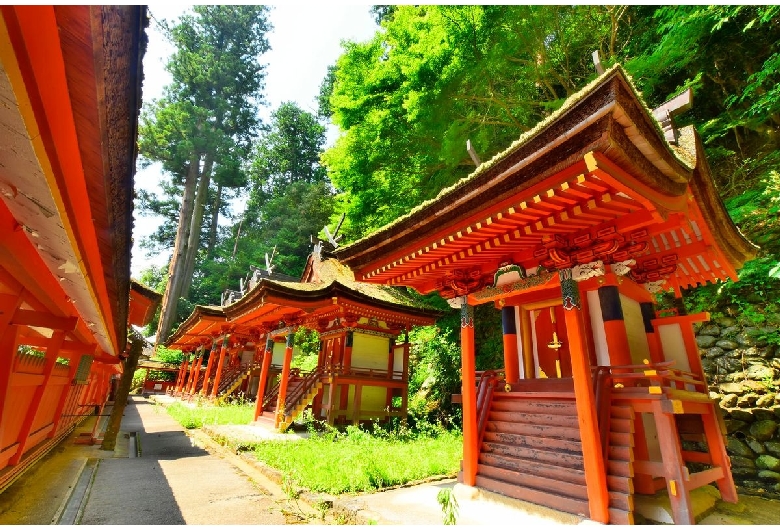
[232, 380]
[531, 451]
[620, 465]
[301, 391]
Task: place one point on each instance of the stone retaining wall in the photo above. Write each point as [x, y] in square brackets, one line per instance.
[742, 363]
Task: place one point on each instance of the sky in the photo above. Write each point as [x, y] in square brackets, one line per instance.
[306, 39]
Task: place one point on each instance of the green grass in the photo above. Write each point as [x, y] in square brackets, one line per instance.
[349, 462]
[361, 462]
[197, 417]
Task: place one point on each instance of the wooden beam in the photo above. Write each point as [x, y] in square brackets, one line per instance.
[26, 317]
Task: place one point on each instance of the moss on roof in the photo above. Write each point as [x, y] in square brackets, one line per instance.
[330, 271]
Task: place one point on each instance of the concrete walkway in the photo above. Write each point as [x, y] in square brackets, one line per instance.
[169, 480]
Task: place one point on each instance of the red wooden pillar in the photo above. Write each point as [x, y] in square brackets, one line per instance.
[346, 365]
[469, 393]
[72, 367]
[188, 375]
[593, 459]
[52, 351]
[280, 401]
[511, 359]
[195, 371]
[317, 403]
[185, 364]
[614, 325]
[209, 367]
[9, 344]
[268, 354]
[182, 373]
[220, 364]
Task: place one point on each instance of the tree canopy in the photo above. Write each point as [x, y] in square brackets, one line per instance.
[201, 130]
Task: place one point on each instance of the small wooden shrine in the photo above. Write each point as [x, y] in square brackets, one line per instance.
[248, 345]
[569, 232]
[70, 85]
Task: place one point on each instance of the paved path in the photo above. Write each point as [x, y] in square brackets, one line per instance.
[173, 481]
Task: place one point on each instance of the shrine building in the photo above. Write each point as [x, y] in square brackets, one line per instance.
[248, 345]
[70, 94]
[569, 233]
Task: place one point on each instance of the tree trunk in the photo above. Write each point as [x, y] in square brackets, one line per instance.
[120, 400]
[214, 222]
[196, 223]
[178, 260]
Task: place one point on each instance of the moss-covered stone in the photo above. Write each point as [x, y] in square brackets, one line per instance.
[743, 462]
[725, 321]
[710, 329]
[756, 446]
[772, 475]
[714, 352]
[763, 430]
[705, 341]
[742, 415]
[727, 364]
[735, 389]
[747, 400]
[767, 400]
[758, 372]
[737, 447]
[773, 447]
[733, 425]
[769, 462]
[726, 344]
[765, 414]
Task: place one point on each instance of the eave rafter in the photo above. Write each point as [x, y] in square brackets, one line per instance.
[576, 205]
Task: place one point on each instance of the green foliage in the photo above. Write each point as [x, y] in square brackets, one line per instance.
[166, 355]
[307, 349]
[435, 76]
[196, 417]
[449, 506]
[434, 375]
[728, 55]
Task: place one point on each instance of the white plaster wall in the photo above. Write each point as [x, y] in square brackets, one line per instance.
[278, 357]
[597, 327]
[673, 346]
[635, 330]
[398, 358]
[519, 336]
[370, 351]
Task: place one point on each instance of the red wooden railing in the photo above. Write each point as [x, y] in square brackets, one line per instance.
[305, 384]
[488, 380]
